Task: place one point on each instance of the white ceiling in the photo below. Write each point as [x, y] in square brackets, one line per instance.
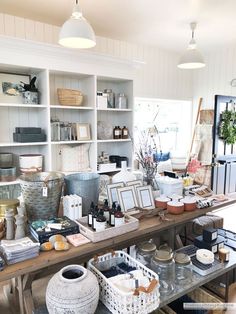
[162, 23]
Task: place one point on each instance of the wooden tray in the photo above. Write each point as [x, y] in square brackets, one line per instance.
[131, 224]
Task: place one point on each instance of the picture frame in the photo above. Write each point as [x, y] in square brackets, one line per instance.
[112, 192]
[134, 183]
[127, 199]
[145, 197]
[83, 131]
[11, 87]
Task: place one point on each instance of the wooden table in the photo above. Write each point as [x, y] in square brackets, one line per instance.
[50, 262]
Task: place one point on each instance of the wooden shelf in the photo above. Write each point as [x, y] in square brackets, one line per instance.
[14, 144]
[23, 105]
[71, 107]
[70, 142]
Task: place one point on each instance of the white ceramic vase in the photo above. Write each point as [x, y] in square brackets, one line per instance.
[124, 175]
[74, 289]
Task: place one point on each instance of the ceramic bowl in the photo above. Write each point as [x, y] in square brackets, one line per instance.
[190, 203]
[161, 202]
[175, 207]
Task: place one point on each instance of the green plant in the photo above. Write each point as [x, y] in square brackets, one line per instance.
[227, 130]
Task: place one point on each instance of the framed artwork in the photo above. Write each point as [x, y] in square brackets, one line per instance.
[83, 131]
[11, 87]
[145, 197]
[112, 192]
[127, 198]
[134, 183]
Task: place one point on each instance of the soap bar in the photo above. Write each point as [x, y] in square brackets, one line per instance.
[57, 237]
[205, 256]
[46, 246]
[61, 246]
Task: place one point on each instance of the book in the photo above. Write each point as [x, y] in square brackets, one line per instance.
[42, 230]
[77, 239]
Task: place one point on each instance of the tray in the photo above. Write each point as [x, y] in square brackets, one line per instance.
[131, 224]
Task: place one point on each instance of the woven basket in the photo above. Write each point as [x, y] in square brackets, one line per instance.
[120, 302]
[32, 187]
[69, 97]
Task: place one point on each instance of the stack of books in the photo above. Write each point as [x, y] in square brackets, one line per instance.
[42, 230]
[15, 251]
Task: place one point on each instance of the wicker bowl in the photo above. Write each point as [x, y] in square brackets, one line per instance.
[69, 97]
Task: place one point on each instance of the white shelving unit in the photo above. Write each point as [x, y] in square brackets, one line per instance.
[51, 74]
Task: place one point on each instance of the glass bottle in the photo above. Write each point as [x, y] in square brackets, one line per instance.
[110, 98]
[119, 217]
[90, 215]
[145, 251]
[106, 210]
[95, 215]
[116, 133]
[101, 221]
[120, 132]
[183, 269]
[112, 215]
[121, 101]
[124, 132]
[163, 264]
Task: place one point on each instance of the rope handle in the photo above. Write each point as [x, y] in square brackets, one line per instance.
[113, 253]
[45, 181]
[149, 289]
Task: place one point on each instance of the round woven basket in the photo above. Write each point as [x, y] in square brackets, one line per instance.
[41, 203]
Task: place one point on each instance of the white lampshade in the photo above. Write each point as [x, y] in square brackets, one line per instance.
[192, 59]
[77, 32]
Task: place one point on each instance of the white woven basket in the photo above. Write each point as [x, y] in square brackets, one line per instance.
[119, 302]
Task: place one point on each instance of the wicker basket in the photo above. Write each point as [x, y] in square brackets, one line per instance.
[69, 97]
[38, 203]
[120, 302]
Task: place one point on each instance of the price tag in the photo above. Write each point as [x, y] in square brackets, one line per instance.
[45, 191]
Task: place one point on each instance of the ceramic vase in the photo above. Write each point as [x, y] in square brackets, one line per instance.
[124, 175]
[74, 289]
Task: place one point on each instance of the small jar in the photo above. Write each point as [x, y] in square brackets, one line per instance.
[119, 217]
[145, 251]
[121, 101]
[183, 269]
[101, 223]
[163, 264]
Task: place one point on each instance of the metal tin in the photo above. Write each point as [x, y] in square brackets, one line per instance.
[8, 204]
[7, 174]
[6, 159]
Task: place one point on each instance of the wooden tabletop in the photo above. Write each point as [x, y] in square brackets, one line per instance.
[147, 229]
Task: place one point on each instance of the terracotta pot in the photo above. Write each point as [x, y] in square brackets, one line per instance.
[74, 289]
[175, 207]
[161, 202]
[189, 204]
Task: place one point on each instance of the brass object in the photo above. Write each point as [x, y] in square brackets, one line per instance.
[7, 204]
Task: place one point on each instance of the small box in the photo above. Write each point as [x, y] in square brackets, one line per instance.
[210, 234]
[27, 138]
[101, 100]
[107, 167]
[213, 246]
[28, 130]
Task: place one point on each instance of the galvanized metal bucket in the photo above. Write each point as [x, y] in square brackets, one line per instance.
[41, 193]
[85, 185]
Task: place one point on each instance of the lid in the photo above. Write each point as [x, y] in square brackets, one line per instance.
[165, 247]
[162, 256]
[175, 203]
[147, 247]
[183, 259]
[108, 90]
[6, 203]
[188, 200]
[162, 198]
[121, 94]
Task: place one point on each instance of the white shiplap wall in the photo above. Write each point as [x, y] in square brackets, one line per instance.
[215, 78]
[158, 77]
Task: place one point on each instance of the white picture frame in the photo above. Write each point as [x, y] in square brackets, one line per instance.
[145, 197]
[127, 199]
[83, 131]
[112, 192]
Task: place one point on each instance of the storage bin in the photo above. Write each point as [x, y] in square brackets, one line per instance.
[30, 163]
[120, 302]
[69, 97]
[6, 159]
[41, 194]
[7, 174]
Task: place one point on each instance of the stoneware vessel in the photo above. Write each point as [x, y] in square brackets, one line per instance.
[162, 201]
[189, 203]
[74, 289]
[175, 207]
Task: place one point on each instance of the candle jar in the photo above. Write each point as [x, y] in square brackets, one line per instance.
[163, 264]
[145, 251]
[183, 269]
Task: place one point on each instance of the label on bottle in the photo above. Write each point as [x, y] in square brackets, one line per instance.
[90, 219]
[112, 220]
[94, 223]
[117, 132]
[107, 215]
[100, 226]
[125, 132]
[119, 221]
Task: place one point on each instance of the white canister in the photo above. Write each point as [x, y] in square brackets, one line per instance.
[31, 163]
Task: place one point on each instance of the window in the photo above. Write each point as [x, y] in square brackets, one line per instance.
[170, 118]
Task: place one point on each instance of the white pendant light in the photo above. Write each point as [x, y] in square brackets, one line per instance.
[77, 32]
[192, 58]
